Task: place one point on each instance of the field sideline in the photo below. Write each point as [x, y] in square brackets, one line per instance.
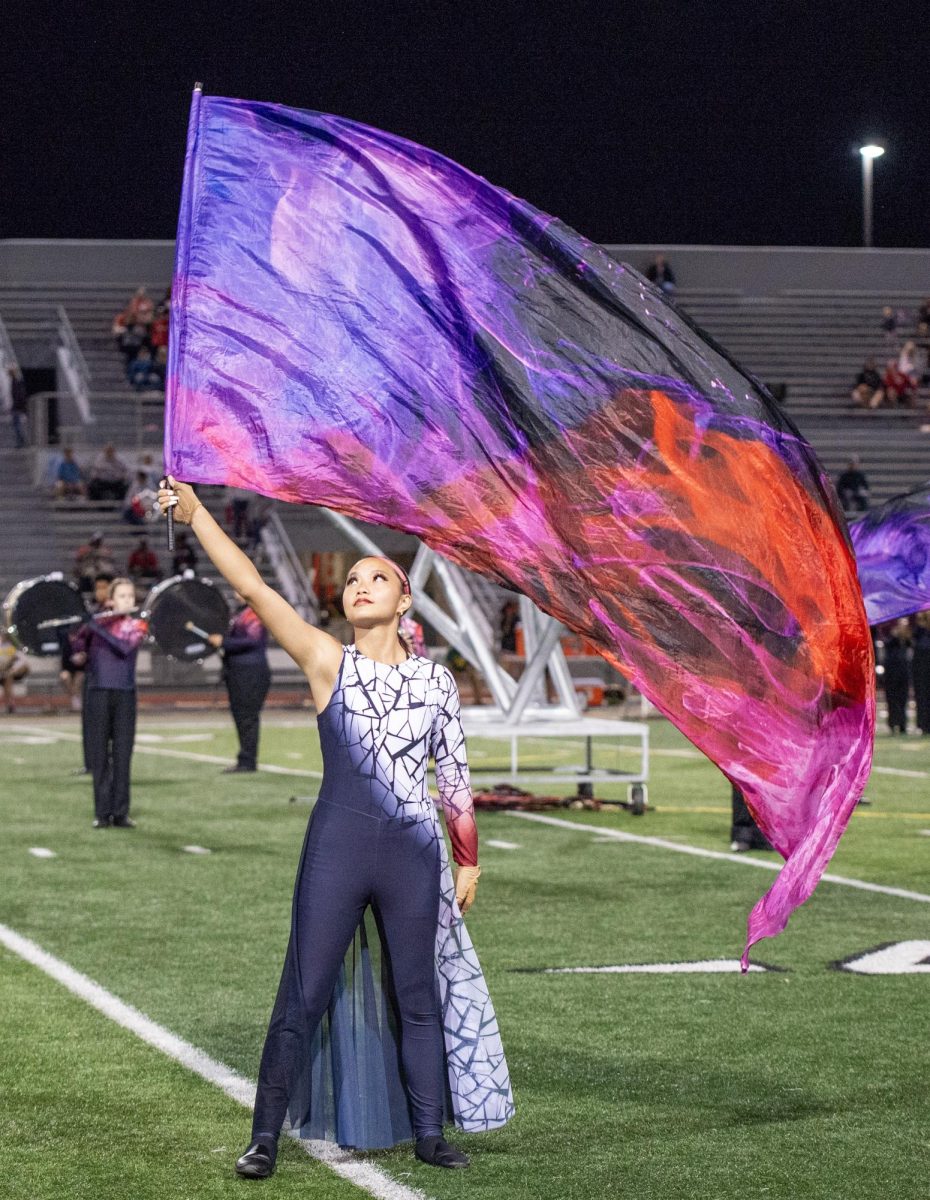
[803, 1082]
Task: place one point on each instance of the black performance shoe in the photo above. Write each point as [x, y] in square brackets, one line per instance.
[438, 1153]
[238, 770]
[123, 823]
[102, 822]
[258, 1161]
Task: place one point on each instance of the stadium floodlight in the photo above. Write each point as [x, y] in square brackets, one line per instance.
[869, 153]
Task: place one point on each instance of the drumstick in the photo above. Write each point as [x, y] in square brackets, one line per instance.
[196, 629]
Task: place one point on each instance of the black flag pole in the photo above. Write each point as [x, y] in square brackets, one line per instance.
[198, 87]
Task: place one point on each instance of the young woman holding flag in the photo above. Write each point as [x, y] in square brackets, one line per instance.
[364, 1065]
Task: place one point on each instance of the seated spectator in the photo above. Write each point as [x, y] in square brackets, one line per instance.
[908, 363]
[163, 308]
[143, 374]
[661, 274]
[899, 388]
[92, 560]
[140, 309]
[853, 487]
[240, 499]
[890, 323]
[867, 392]
[69, 479]
[13, 668]
[143, 564]
[109, 476]
[184, 557]
[146, 466]
[158, 333]
[141, 502]
[132, 340]
[923, 320]
[256, 525]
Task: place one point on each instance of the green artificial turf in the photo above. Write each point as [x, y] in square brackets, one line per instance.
[809, 1082]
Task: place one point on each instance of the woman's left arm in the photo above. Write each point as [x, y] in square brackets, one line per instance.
[447, 744]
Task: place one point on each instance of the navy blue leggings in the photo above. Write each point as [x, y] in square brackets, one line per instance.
[351, 859]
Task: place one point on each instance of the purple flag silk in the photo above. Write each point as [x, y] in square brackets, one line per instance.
[892, 545]
[363, 324]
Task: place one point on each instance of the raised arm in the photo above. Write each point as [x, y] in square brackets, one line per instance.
[315, 652]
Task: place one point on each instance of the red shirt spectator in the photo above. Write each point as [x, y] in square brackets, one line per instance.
[899, 388]
[158, 333]
[143, 562]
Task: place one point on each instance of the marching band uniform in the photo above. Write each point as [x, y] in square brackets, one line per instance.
[248, 678]
[112, 646]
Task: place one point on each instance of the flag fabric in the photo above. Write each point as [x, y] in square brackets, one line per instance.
[361, 323]
[892, 545]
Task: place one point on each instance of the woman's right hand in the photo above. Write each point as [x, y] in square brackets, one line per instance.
[179, 496]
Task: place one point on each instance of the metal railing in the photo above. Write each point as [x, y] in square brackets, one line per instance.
[73, 366]
[290, 572]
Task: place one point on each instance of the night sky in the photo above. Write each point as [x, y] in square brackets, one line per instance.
[646, 122]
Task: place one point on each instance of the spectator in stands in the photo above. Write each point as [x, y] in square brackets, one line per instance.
[146, 466]
[69, 479]
[140, 309]
[923, 320]
[140, 507]
[868, 392]
[158, 334]
[899, 388]
[92, 560]
[109, 476]
[907, 360]
[239, 499]
[163, 308]
[853, 487]
[890, 323]
[13, 668]
[143, 564]
[184, 557]
[661, 274]
[143, 374]
[258, 522]
[131, 341]
[19, 407]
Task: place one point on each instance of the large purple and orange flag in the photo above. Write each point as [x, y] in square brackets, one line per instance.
[892, 544]
[363, 324]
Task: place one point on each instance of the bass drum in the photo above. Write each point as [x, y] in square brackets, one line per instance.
[37, 613]
[181, 612]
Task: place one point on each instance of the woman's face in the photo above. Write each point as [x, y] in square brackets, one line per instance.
[373, 594]
[124, 598]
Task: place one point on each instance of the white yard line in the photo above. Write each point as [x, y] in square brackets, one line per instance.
[699, 852]
[364, 1175]
[165, 752]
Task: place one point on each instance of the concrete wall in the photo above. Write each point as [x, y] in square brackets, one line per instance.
[764, 270]
[24, 260]
[757, 270]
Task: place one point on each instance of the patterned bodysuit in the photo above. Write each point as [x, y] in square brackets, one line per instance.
[345, 1059]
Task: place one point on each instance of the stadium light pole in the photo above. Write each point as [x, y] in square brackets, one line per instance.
[869, 154]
